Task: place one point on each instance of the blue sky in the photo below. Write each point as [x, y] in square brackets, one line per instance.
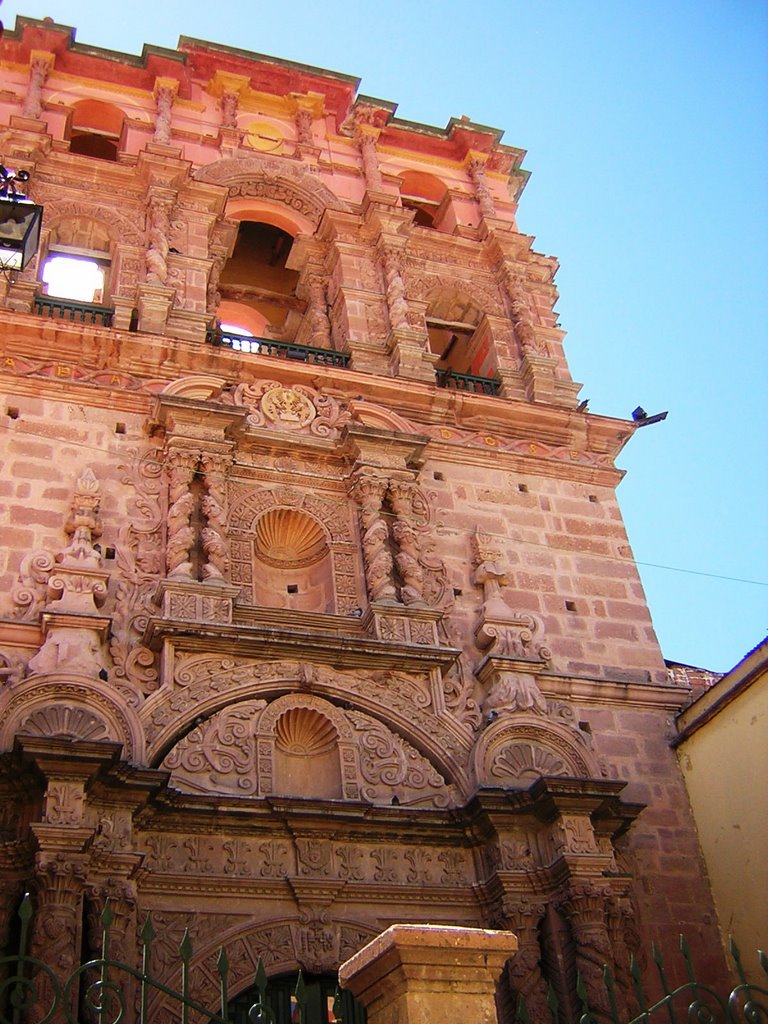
[646, 125]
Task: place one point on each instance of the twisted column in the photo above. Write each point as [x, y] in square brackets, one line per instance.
[401, 493]
[213, 534]
[181, 536]
[524, 968]
[585, 906]
[365, 137]
[165, 93]
[369, 493]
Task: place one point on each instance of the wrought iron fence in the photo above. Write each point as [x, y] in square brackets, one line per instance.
[73, 311]
[99, 987]
[693, 1002]
[280, 349]
[467, 382]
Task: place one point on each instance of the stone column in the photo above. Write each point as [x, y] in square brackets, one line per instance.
[397, 304]
[158, 230]
[369, 492]
[585, 906]
[182, 463]
[429, 974]
[165, 93]
[401, 493]
[40, 64]
[213, 534]
[476, 171]
[320, 325]
[366, 136]
[524, 969]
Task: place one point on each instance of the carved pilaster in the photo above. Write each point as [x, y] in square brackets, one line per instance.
[476, 171]
[40, 64]
[56, 929]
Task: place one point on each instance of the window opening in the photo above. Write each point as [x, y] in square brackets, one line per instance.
[80, 278]
[96, 129]
[256, 277]
[424, 194]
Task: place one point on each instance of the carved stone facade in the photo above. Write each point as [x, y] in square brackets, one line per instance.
[296, 642]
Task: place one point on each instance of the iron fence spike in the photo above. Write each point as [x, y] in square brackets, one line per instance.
[148, 931]
[734, 951]
[107, 917]
[553, 1003]
[222, 962]
[25, 908]
[685, 950]
[300, 992]
[185, 947]
[338, 1006]
[762, 956]
[610, 987]
[261, 978]
[521, 1010]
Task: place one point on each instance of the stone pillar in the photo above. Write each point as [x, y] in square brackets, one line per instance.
[366, 136]
[402, 494]
[182, 463]
[320, 325]
[476, 171]
[585, 906]
[523, 916]
[158, 230]
[429, 974]
[369, 492]
[213, 534]
[40, 64]
[165, 93]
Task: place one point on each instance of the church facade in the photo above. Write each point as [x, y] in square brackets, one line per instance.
[317, 612]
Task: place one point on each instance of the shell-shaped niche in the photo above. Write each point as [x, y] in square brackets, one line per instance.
[288, 538]
[75, 723]
[304, 731]
[527, 761]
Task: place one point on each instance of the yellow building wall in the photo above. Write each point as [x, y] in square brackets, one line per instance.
[725, 765]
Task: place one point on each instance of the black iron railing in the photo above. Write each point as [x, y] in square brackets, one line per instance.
[693, 1002]
[279, 349]
[31, 990]
[466, 382]
[72, 311]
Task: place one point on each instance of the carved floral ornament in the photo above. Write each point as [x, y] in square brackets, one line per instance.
[276, 180]
[265, 749]
[297, 409]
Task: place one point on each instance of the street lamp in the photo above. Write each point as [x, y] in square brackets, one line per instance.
[20, 222]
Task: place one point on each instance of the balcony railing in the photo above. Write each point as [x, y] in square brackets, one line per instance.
[72, 311]
[279, 349]
[466, 382]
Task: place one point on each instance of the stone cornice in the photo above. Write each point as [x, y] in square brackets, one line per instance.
[262, 641]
